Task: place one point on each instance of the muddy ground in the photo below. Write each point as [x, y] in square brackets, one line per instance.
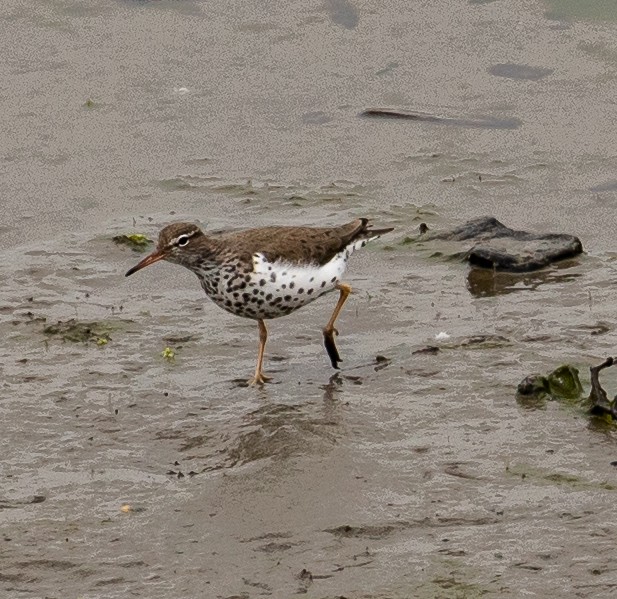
[409, 473]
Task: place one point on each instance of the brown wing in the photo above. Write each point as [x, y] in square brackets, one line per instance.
[317, 245]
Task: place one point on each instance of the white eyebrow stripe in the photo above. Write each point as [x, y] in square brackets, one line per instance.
[176, 239]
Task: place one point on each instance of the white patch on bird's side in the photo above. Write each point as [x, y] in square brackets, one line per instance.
[280, 287]
[296, 284]
[304, 276]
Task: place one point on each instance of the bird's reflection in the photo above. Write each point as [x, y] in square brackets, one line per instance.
[333, 388]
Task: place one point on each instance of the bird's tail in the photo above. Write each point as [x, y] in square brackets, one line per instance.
[367, 232]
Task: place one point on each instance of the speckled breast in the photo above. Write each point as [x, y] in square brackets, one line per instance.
[271, 289]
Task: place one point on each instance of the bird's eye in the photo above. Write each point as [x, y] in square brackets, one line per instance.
[182, 240]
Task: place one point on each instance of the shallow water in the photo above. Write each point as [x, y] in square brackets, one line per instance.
[409, 473]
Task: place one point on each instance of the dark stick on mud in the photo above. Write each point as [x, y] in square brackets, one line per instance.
[600, 403]
[488, 122]
[386, 113]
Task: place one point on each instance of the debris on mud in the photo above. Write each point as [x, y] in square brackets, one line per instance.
[10, 504]
[75, 331]
[180, 338]
[30, 318]
[480, 341]
[128, 508]
[544, 475]
[488, 122]
[168, 354]
[382, 362]
[500, 248]
[600, 403]
[429, 349]
[564, 384]
[561, 384]
[305, 575]
[136, 241]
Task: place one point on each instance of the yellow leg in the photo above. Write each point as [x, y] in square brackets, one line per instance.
[329, 331]
[260, 378]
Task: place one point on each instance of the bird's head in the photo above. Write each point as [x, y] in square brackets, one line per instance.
[176, 243]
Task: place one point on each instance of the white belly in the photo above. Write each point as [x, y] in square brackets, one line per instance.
[275, 289]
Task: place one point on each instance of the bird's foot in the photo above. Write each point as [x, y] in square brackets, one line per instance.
[259, 379]
[328, 339]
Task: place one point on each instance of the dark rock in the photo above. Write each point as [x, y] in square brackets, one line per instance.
[500, 248]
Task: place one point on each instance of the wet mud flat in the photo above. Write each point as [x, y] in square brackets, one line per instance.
[133, 461]
[413, 471]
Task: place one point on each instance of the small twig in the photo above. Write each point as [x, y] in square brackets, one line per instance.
[600, 403]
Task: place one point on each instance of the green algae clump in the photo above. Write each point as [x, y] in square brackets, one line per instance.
[136, 241]
[75, 331]
[168, 354]
[562, 384]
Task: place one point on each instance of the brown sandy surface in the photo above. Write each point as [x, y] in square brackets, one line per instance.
[417, 475]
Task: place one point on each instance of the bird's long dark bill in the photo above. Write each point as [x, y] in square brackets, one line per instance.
[151, 259]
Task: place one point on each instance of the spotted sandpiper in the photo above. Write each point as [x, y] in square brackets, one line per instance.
[267, 272]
